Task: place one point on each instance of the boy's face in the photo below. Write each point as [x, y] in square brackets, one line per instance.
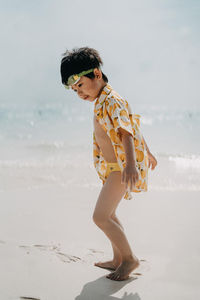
[89, 89]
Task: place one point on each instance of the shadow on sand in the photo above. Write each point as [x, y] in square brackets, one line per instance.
[102, 289]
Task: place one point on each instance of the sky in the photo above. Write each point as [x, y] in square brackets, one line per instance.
[150, 49]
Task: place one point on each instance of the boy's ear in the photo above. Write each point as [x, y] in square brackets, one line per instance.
[97, 73]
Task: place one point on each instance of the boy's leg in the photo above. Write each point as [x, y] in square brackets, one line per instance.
[108, 200]
[116, 252]
[117, 258]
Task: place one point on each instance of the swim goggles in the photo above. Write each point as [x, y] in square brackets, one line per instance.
[73, 79]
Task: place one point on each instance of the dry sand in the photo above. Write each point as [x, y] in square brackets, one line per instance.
[49, 243]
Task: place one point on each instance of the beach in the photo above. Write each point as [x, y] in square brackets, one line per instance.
[48, 183]
[48, 191]
[49, 244]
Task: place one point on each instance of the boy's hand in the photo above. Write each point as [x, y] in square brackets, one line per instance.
[152, 161]
[130, 176]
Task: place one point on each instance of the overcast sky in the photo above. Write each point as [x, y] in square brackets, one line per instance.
[150, 48]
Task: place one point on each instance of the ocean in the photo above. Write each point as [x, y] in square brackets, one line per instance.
[51, 144]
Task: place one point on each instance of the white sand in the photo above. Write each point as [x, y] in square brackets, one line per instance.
[48, 244]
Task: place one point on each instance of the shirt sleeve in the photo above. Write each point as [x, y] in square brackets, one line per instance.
[119, 115]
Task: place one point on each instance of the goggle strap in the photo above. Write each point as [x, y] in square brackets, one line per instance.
[67, 86]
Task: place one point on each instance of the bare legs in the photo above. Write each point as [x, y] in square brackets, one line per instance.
[124, 261]
[117, 258]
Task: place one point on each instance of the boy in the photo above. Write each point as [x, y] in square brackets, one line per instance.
[121, 155]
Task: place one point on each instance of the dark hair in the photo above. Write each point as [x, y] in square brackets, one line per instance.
[78, 60]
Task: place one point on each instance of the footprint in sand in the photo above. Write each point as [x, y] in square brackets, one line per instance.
[95, 251]
[67, 258]
[62, 256]
[53, 249]
[29, 298]
[47, 247]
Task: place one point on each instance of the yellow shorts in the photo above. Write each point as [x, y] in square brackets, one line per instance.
[111, 167]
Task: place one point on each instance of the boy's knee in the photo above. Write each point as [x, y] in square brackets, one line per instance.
[99, 218]
[113, 216]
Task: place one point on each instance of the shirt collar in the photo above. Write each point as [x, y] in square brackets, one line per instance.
[104, 93]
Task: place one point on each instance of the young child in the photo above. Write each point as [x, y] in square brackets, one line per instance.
[121, 155]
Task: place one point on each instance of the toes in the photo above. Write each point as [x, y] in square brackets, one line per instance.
[110, 275]
[98, 264]
[117, 277]
[113, 276]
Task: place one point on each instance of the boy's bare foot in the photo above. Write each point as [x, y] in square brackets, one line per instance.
[111, 265]
[125, 268]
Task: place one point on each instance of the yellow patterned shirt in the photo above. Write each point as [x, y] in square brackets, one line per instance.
[113, 112]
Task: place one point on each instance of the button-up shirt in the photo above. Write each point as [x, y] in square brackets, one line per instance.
[113, 112]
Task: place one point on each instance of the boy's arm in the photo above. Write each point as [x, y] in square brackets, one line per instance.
[130, 173]
[127, 141]
[152, 160]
